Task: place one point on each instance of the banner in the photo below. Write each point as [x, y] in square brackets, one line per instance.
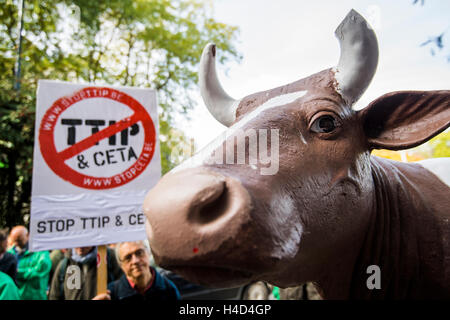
[96, 154]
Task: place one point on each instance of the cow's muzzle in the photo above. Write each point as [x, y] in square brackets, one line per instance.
[193, 216]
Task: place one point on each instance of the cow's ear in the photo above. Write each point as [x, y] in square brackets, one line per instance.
[405, 119]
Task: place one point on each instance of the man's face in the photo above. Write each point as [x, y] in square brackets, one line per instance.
[134, 259]
[82, 251]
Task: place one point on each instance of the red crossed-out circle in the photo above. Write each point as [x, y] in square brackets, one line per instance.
[56, 160]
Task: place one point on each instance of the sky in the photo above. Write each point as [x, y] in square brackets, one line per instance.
[282, 41]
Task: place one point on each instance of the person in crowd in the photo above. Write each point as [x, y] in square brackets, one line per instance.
[140, 281]
[8, 262]
[8, 289]
[55, 256]
[33, 268]
[75, 277]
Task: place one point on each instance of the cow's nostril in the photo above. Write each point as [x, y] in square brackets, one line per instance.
[211, 209]
[193, 212]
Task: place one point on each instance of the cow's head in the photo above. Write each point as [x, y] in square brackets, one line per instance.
[222, 222]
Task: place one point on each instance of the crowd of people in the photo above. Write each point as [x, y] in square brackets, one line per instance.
[71, 274]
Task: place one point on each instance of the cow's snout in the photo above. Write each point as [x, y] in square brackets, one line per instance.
[194, 212]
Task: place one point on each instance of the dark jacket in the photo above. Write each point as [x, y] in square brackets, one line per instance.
[8, 265]
[55, 256]
[161, 289]
[64, 286]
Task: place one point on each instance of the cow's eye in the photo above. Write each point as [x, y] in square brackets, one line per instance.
[324, 124]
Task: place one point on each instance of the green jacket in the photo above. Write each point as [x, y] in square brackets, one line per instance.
[33, 271]
[8, 290]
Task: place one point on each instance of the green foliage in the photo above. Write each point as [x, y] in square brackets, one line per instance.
[440, 145]
[145, 43]
[437, 147]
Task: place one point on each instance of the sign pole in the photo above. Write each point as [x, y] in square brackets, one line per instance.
[101, 269]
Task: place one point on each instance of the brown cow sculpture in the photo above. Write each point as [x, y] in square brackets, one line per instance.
[326, 211]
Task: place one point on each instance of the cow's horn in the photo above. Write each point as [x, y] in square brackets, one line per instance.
[359, 57]
[218, 102]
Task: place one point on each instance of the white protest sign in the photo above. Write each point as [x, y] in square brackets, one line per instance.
[96, 154]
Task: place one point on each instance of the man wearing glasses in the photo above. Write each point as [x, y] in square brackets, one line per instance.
[140, 281]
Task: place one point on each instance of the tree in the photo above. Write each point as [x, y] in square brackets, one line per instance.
[146, 43]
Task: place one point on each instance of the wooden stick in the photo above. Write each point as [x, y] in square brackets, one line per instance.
[102, 272]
